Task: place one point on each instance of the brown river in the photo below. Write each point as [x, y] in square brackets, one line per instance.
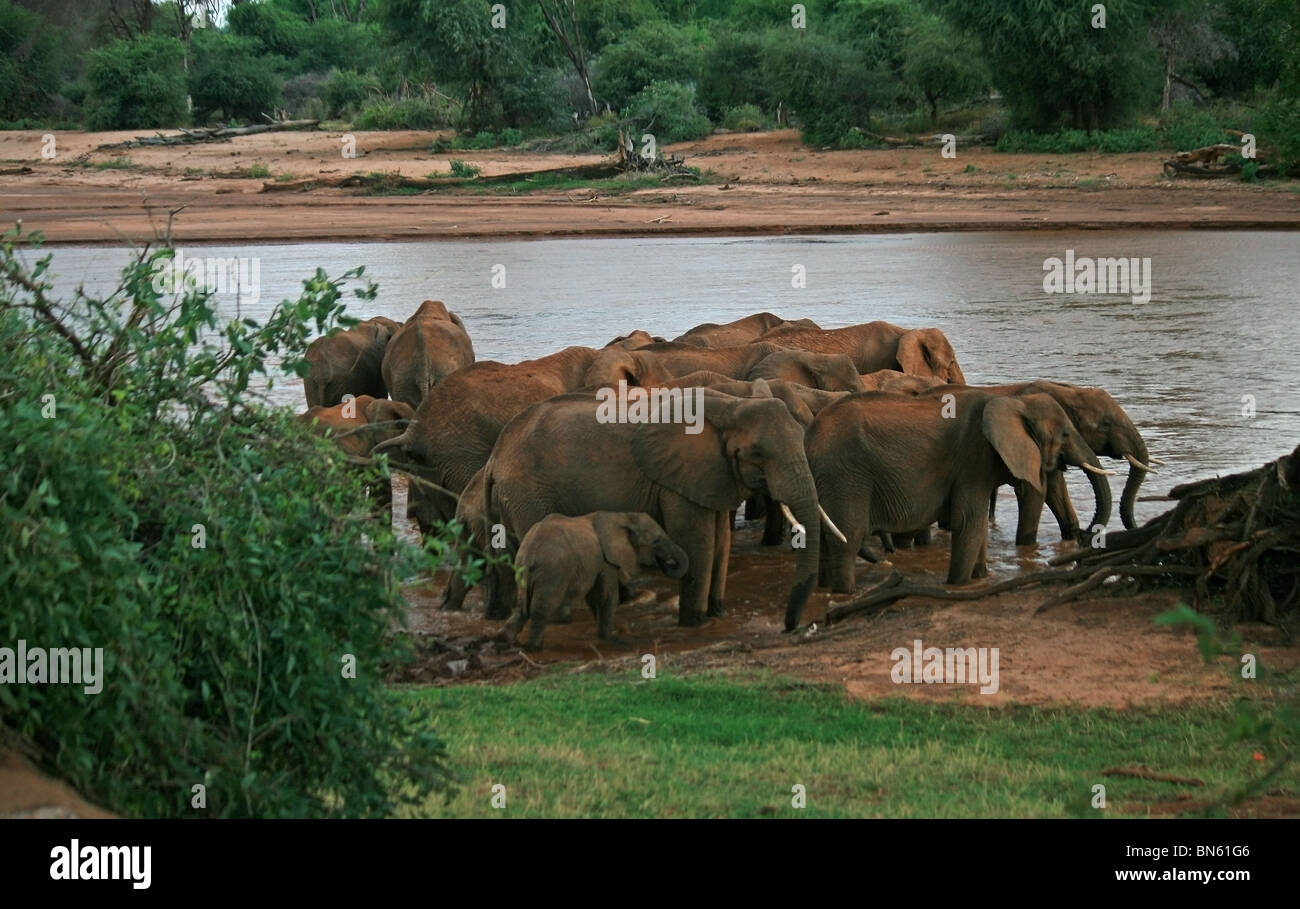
[1207, 367]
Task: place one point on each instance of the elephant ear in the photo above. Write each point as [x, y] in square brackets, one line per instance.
[616, 545]
[1004, 427]
[695, 466]
[926, 352]
[382, 410]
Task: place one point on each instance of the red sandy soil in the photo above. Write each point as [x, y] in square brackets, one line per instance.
[763, 183]
[27, 793]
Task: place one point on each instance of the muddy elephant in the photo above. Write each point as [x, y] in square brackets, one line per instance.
[358, 425]
[635, 340]
[458, 422]
[886, 462]
[688, 482]
[348, 361]
[790, 393]
[567, 560]
[1104, 426]
[825, 372]
[898, 382]
[430, 346]
[737, 332]
[878, 345]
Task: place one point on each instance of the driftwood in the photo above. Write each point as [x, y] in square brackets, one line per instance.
[191, 136]
[622, 163]
[1207, 162]
[1238, 536]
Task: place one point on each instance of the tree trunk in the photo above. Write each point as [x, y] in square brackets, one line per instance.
[1169, 78]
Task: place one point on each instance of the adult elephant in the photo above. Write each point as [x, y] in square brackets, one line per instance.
[635, 340]
[1104, 426]
[688, 482]
[740, 331]
[898, 382]
[660, 363]
[348, 361]
[358, 425]
[429, 347]
[459, 420]
[826, 372]
[878, 345]
[886, 462]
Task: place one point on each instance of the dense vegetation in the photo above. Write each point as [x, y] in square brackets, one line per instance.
[840, 70]
[224, 558]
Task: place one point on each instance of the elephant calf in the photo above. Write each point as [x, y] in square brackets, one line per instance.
[566, 559]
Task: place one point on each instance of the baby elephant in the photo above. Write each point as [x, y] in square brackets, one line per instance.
[564, 560]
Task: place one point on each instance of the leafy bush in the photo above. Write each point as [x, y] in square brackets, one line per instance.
[304, 96]
[406, 113]
[828, 85]
[746, 118]
[1185, 127]
[732, 74]
[654, 51]
[346, 91]
[668, 111]
[130, 425]
[512, 137]
[464, 169]
[30, 76]
[136, 84]
[1071, 141]
[230, 76]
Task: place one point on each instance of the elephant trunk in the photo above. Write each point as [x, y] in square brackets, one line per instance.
[796, 489]
[1097, 476]
[1135, 477]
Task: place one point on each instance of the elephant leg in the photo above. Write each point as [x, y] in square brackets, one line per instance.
[537, 627]
[773, 524]
[500, 591]
[981, 569]
[970, 530]
[887, 541]
[513, 626]
[721, 556]
[755, 507]
[993, 507]
[1058, 500]
[1030, 504]
[453, 597]
[692, 528]
[842, 557]
[604, 608]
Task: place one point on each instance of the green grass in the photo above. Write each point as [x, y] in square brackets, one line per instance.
[259, 170]
[611, 186]
[615, 746]
[116, 164]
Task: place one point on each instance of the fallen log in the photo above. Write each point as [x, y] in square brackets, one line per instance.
[222, 134]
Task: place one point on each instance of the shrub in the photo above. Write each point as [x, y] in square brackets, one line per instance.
[1185, 127]
[221, 662]
[668, 111]
[464, 169]
[136, 84]
[30, 76]
[231, 77]
[746, 118]
[731, 75]
[346, 91]
[512, 137]
[407, 113]
[828, 85]
[654, 51]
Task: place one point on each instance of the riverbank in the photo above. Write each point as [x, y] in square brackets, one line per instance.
[755, 183]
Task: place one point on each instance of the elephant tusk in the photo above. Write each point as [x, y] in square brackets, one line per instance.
[789, 516]
[830, 525]
[1155, 461]
[1138, 464]
[1099, 471]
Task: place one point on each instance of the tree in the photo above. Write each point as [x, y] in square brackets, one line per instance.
[940, 63]
[653, 51]
[1187, 32]
[30, 55]
[1054, 67]
[562, 18]
[135, 84]
[231, 76]
[828, 84]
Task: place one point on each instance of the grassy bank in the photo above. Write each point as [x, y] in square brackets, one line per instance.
[615, 746]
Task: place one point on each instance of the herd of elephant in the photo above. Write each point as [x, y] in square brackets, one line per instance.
[845, 433]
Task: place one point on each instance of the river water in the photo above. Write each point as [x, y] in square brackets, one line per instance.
[1207, 368]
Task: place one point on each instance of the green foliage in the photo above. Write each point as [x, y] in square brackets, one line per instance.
[221, 663]
[30, 73]
[1185, 127]
[941, 64]
[732, 73]
[654, 51]
[1054, 68]
[346, 91]
[230, 76]
[136, 84]
[747, 118]
[464, 169]
[384, 112]
[826, 84]
[512, 137]
[668, 111]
